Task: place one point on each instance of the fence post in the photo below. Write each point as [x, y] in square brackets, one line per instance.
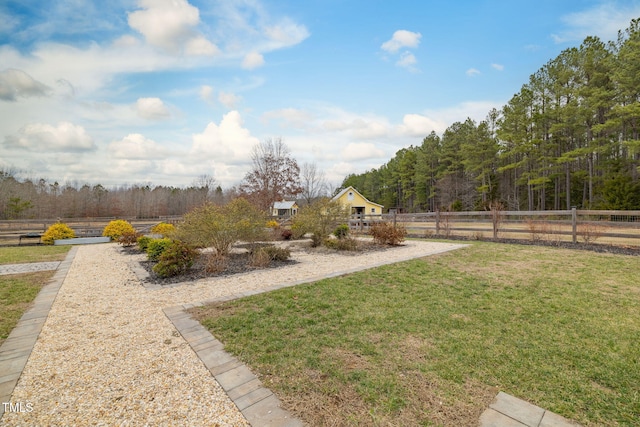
[361, 216]
[437, 222]
[574, 224]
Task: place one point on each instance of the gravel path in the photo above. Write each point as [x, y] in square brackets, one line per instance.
[107, 355]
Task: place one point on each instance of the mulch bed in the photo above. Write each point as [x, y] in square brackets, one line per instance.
[237, 263]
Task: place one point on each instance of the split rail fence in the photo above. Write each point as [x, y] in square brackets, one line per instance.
[575, 225]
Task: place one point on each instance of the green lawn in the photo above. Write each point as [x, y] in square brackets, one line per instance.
[22, 254]
[431, 341]
[17, 291]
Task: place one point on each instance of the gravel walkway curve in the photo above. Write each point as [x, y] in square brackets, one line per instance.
[107, 354]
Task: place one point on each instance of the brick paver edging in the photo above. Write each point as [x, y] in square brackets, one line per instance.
[16, 349]
[258, 404]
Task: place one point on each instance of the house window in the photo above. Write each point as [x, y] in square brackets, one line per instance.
[373, 210]
[350, 195]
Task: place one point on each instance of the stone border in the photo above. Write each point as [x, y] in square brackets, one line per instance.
[16, 349]
[509, 411]
[256, 403]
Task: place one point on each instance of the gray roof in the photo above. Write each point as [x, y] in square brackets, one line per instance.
[284, 205]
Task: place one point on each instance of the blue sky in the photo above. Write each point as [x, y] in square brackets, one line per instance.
[163, 91]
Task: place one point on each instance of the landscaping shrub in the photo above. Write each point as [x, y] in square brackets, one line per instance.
[117, 228]
[344, 244]
[143, 242]
[341, 231]
[277, 253]
[129, 239]
[163, 229]
[272, 224]
[57, 231]
[286, 234]
[176, 258]
[216, 263]
[319, 218]
[261, 256]
[385, 233]
[156, 247]
[221, 226]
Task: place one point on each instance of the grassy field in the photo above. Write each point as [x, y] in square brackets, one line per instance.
[431, 341]
[22, 254]
[17, 291]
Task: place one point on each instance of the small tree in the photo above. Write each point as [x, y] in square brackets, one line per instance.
[221, 226]
[320, 218]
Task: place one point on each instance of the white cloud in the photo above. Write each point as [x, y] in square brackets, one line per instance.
[170, 25]
[498, 67]
[228, 142]
[286, 33]
[361, 151]
[152, 109]
[43, 138]
[358, 127]
[206, 93]
[603, 20]
[136, 147]
[200, 46]
[472, 72]
[16, 84]
[289, 117]
[252, 60]
[407, 60]
[400, 39]
[229, 100]
[420, 126]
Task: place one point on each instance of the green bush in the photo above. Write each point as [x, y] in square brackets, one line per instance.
[341, 231]
[116, 228]
[143, 242]
[176, 258]
[385, 233]
[156, 247]
[57, 231]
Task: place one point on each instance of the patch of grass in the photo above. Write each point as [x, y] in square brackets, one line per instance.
[24, 254]
[430, 341]
[17, 292]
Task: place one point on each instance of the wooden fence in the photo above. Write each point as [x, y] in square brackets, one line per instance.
[579, 226]
[11, 231]
[586, 226]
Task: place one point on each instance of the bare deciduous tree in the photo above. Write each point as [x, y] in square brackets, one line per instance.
[314, 184]
[275, 174]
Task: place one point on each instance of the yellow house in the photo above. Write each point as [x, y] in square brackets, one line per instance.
[357, 202]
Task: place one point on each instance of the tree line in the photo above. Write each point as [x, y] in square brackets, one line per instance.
[569, 137]
[275, 176]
